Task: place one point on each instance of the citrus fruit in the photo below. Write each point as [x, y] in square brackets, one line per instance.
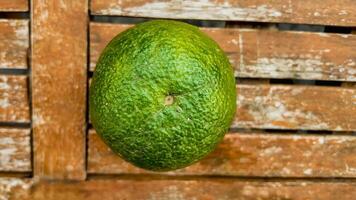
[162, 95]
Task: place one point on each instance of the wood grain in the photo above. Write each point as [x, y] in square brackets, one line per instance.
[186, 190]
[295, 107]
[14, 102]
[14, 188]
[14, 43]
[13, 5]
[251, 154]
[59, 46]
[15, 150]
[328, 12]
[266, 53]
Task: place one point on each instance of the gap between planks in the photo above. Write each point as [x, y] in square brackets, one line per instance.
[148, 176]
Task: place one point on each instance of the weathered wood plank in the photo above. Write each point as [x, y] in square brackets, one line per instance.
[265, 53]
[14, 102]
[328, 12]
[59, 45]
[100, 36]
[14, 42]
[13, 5]
[14, 188]
[185, 189]
[15, 150]
[295, 107]
[26, 189]
[242, 154]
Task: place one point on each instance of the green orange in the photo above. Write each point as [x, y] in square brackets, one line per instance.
[162, 95]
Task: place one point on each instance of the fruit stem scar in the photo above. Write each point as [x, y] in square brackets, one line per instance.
[168, 100]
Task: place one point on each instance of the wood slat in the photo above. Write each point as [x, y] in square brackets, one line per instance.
[328, 12]
[13, 5]
[14, 100]
[14, 43]
[59, 32]
[295, 107]
[242, 154]
[15, 150]
[185, 190]
[14, 188]
[265, 53]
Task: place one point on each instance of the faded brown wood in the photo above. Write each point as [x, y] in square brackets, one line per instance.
[185, 190]
[295, 107]
[14, 42]
[26, 189]
[250, 154]
[14, 102]
[15, 150]
[266, 53]
[59, 31]
[14, 5]
[14, 188]
[350, 84]
[328, 12]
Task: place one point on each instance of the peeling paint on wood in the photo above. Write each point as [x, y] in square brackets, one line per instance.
[265, 53]
[14, 102]
[191, 190]
[26, 189]
[325, 12]
[14, 188]
[59, 69]
[295, 107]
[15, 150]
[242, 154]
[14, 43]
[13, 5]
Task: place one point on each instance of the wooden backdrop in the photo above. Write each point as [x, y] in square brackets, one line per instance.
[293, 137]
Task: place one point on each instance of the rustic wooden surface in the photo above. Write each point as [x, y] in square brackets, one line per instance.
[177, 190]
[14, 100]
[296, 107]
[14, 42]
[246, 165]
[15, 150]
[13, 5]
[266, 53]
[328, 12]
[251, 154]
[59, 76]
[14, 188]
